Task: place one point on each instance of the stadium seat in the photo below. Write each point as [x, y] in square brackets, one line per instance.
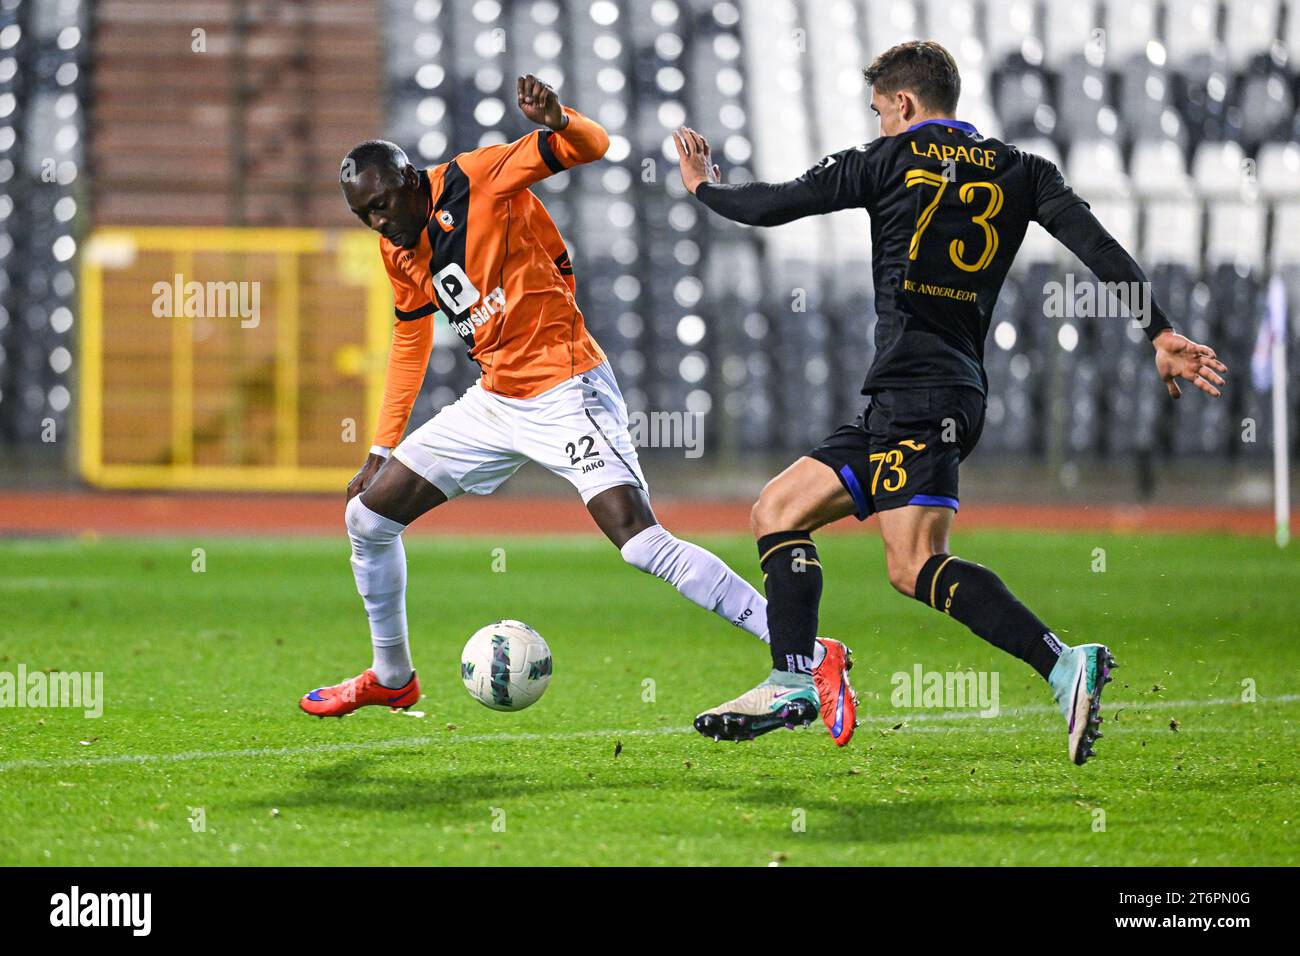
[840, 96]
[1285, 244]
[1130, 27]
[1291, 29]
[899, 22]
[1096, 169]
[1249, 29]
[1084, 84]
[1010, 25]
[1265, 101]
[1159, 169]
[1191, 31]
[1203, 88]
[1023, 100]
[1068, 30]
[1278, 170]
[1145, 101]
[1219, 170]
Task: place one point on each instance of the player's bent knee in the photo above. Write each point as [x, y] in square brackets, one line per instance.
[368, 525]
[773, 512]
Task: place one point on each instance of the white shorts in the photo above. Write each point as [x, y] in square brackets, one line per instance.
[578, 430]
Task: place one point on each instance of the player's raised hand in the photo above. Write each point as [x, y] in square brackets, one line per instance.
[539, 103]
[695, 159]
[1179, 357]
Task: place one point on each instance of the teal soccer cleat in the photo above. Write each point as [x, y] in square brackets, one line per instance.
[769, 706]
[1077, 680]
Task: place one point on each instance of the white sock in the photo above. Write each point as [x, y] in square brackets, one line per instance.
[700, 576]
[379, 566]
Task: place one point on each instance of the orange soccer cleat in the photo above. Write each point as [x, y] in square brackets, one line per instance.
[360, 691]
[838, 702]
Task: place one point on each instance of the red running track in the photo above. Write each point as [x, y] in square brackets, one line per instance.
[115, 513]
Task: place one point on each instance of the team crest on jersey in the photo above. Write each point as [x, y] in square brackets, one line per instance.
[445, 220]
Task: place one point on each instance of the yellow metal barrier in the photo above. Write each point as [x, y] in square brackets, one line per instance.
[230, 359]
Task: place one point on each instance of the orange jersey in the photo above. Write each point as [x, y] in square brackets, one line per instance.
[492, 260]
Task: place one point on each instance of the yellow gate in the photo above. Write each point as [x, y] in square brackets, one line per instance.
[230, 359]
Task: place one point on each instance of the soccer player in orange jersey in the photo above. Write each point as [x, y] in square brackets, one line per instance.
[469, 239]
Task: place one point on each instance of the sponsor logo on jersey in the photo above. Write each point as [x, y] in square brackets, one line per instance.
[493, 304]
[455, 291]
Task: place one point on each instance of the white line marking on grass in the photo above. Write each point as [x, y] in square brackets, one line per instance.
[1114, 707]
[363, 746]
[394, 743]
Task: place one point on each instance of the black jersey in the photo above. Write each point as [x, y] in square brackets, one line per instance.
[949, 209]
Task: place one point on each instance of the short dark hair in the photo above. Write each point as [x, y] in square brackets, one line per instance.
[921, 66]
[388, 157]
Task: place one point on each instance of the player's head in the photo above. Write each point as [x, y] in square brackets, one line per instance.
[912, 82]
[382, 189]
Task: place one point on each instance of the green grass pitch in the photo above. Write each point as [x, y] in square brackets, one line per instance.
[202, 672]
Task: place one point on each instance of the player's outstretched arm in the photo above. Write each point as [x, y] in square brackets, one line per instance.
[754, 204]
[408, 358]
[1177, 357]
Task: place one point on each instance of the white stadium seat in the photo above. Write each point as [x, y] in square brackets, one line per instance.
[1291, 38]
[1249, 30]
[1158, 169]
[1189, 29]
[783, 130]
[1097, 169]
[1278, 170]
[1236, 233]
[1067, 31]
[1171, 233]
[900, 21]
[1218, 170]
[955, 24]
[840, 97]
[1286, 234]
[1007, 25]
[1129, 25]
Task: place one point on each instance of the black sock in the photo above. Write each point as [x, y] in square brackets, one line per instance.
[792, 577]
[976, 596]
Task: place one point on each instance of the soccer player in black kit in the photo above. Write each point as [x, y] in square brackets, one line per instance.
[949, 209]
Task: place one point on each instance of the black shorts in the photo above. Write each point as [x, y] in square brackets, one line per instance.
[905, 447]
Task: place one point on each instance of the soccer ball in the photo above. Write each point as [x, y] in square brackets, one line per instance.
[506, 665]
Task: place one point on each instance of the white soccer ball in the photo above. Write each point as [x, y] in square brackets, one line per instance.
[506, 665]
